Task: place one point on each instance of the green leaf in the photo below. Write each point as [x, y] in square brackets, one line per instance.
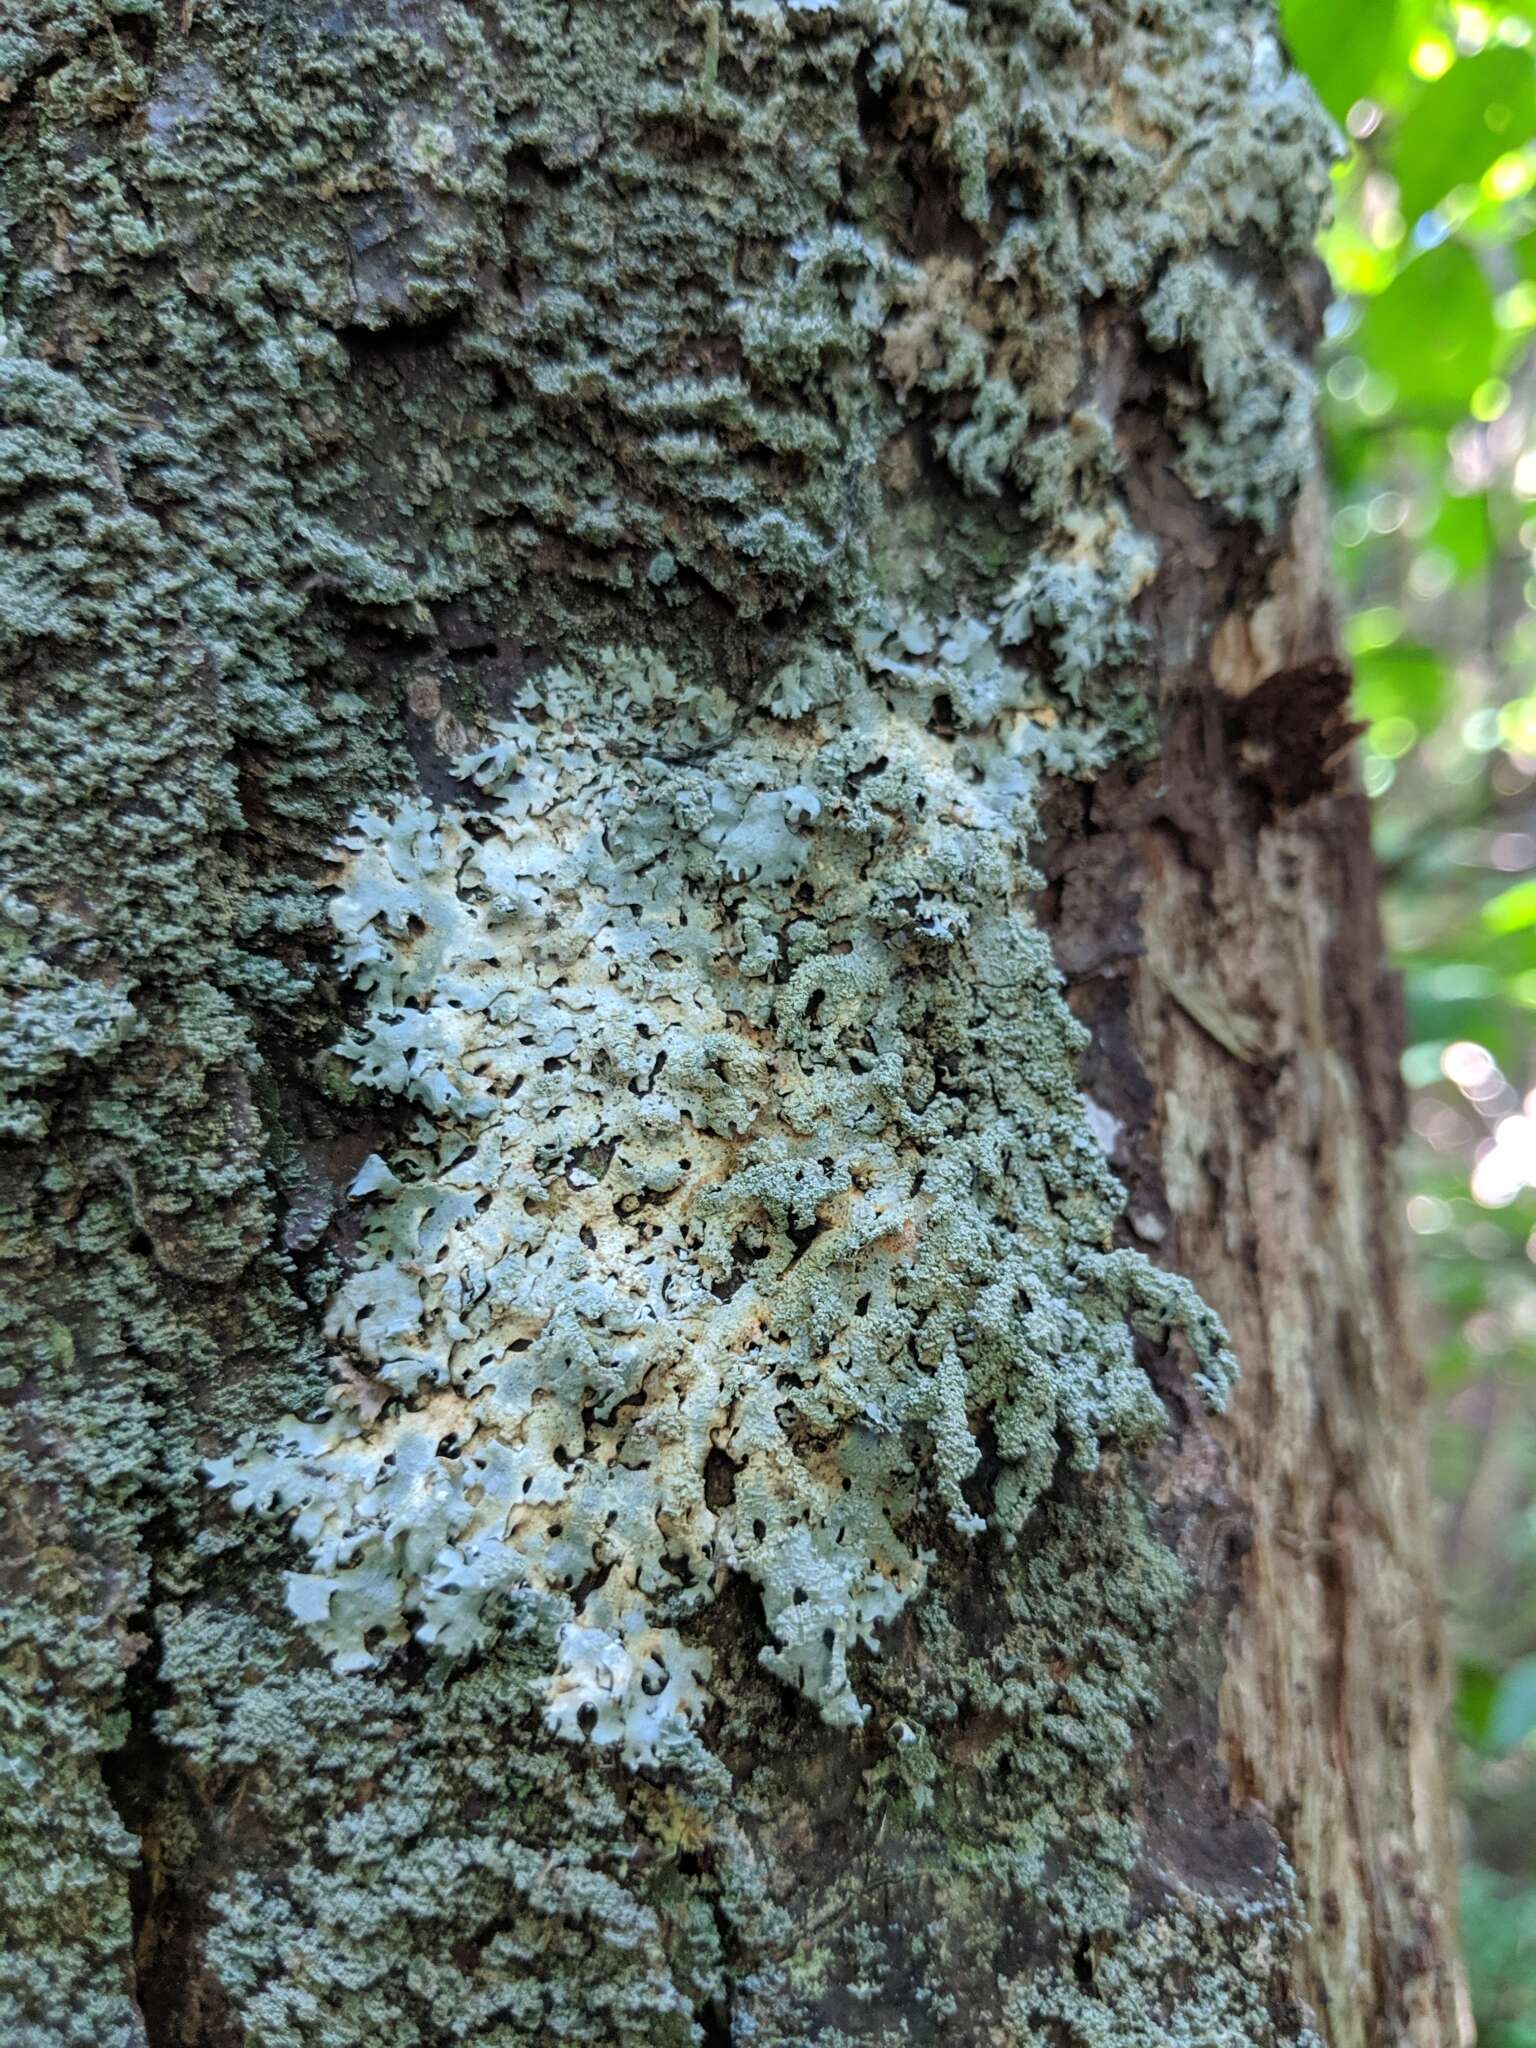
[1402, 682]
[1514, 1711]
[1477, 1690]
[1512, 910]
[1464, 530]
[1432, 330]
[1341, 48]
[1483, 107]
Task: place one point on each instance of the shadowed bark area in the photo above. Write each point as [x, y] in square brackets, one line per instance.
[1217, 918]
[623, 1429]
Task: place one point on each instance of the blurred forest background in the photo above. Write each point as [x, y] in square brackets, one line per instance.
[1429, 408]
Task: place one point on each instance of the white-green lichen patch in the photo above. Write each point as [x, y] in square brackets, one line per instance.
[748, 1186]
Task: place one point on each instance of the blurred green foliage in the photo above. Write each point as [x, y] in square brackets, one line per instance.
[1430, 414]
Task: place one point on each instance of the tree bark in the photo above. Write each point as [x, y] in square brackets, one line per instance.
[683, 904]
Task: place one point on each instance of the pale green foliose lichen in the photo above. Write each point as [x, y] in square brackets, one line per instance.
[747, 1138]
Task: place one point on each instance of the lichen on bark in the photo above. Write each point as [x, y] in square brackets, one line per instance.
[648, 483]
[748, 1153]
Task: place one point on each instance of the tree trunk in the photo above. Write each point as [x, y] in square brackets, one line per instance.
[625, 619]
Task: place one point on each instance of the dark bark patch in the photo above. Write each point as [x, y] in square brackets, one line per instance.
[1290, 738]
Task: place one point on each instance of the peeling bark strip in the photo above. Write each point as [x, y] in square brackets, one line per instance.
[1266, 1173]
[591, 1455]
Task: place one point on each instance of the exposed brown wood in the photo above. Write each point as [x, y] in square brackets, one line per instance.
[1218, 919]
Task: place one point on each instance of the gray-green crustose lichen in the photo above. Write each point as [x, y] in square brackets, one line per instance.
[377, 354]
[747, 1134]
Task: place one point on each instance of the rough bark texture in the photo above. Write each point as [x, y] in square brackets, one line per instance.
[594, 1450]
[1217, 918]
